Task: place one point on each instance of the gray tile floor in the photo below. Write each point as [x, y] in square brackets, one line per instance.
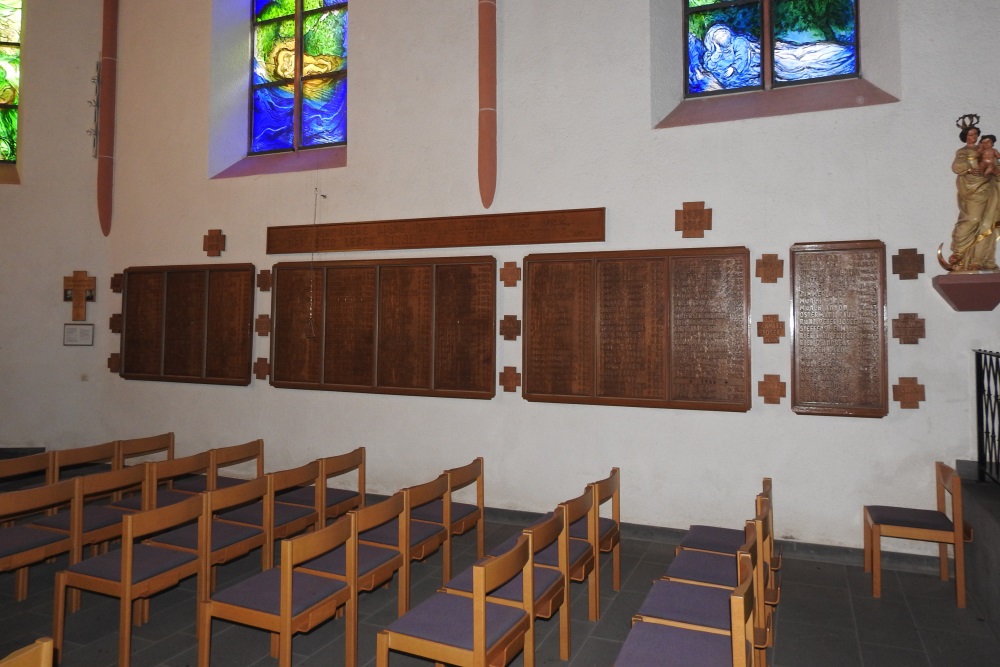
[826, 617]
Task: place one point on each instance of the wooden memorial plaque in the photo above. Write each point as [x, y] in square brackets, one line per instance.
[423, 327]
[657, 328]
[188, 323]
[839, 325]
[569, 226]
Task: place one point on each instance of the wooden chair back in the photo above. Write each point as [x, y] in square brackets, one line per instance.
[38, 654]
[32, 501]
[235, 496]
[605, 490]
[774, 559]
[224, 457]
[170, 469]
[100, 485]
[742, 615]
[65, 459]
[146, 446]
[489, 575]
[31, 464]
[337, 466]
[463, 477]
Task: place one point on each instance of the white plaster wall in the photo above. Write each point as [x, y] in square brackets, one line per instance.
[575, 104]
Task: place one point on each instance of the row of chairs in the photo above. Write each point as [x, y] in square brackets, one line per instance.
[714, 605]
[486, 615]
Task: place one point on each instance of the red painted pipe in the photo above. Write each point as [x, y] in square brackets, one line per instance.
[106, 116]
[487, 101]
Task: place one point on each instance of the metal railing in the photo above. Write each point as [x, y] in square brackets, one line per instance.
[988, 414]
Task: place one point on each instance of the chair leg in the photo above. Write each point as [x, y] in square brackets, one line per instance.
[943, 560]
[529, 641]
[21, 584]
[125, 632]
[75, 598]
[382, 649]
[876, 544]
[351, 632]
[59, 615]
[564, 625]
[284, 649]
[616, 567]
[594, 590]
[867, 538]
[480, 539]
[204, 634]
[960, 574]
[404, 588]
[274, 644]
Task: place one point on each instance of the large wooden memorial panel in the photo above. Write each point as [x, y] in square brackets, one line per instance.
[417, 327]
[839, 329]
[188, 323]
[657, 328]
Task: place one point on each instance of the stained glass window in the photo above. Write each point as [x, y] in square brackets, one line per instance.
[298, 78]
[760, 44]
[10, 76]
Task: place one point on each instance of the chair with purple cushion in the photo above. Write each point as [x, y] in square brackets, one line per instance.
[288, 519]
[159, 482]
[922, 524]
[419, 539]
[655, 645]
[284, 600]
[463, 515]
[133, 573]
[225, 457]
[145, 447]
[79, 461]
[549, 584]
[608, 529]
[22, 545]
[22, 472]
[582, 554]
[337, 500]
[376, 563]
[470, 631]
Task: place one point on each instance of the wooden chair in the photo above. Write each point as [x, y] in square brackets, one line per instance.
[288, 519]
[920, 524]
[147, 446]
[22, 545]
[338, 500]
[225, 457]
[608, 529]
[38, 654]
[282, 600]
[22, 472]
[463, 515]
[134, 573]
[581, 554]
[376, 564]
[549, 584]
[159, 479]
[473, 632]
[655, 645]
[79, 461]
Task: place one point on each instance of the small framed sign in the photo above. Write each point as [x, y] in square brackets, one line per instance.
[78, 334]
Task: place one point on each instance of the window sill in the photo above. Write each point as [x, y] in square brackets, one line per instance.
[9, 175]
[281, 163]
[844, 94]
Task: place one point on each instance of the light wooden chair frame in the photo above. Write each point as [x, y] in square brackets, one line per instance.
[38, 654]
[145, 446]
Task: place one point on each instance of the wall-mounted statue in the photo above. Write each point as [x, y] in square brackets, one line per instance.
[974, 238]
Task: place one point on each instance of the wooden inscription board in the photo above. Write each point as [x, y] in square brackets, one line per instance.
[188, 323]
[656, 328]
[569, 226]
[839, 324]
[422, 327]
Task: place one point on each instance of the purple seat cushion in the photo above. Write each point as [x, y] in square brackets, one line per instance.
[447, 619]
[199, 483]
[164, 497]
[714, 538]
[21, 538]
[709, 568]
[688, 603]
[544, 579]
[578, 528]
[910, 518]
[147, 562]
[335, 561]
[223, 535]
[305, 495]
[253, 514]
[652, 645]
[388, 533]
[262, 592]
[94, 517]
[434, 511]
[549, 555]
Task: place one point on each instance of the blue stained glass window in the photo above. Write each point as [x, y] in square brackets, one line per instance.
[298, 75]
[729, 46]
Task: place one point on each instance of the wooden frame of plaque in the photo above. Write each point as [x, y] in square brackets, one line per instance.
[645, 328]
[419, 327]
[190, 323]
[839, 325]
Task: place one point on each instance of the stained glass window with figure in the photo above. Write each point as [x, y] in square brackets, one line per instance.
[298, 78]
[10, 77]
[741, 45]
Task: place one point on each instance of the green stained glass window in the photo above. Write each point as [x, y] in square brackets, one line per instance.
[298, 78]
[10, 77]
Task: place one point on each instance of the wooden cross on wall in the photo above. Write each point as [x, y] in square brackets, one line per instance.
[79, 288]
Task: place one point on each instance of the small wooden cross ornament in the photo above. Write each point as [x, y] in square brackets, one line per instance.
[214, 242]
[771, 389]
[771, 329]
[262, 325]
[909, 393]
[770, 268]
[261, 368]
[510, 327]
[908, 264]
[510, 379]
[264, 280]
[510, 274]
[909, 328]
[692, 220]
[79, 288]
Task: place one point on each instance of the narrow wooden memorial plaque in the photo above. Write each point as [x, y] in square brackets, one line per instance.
[657, 328]
[568, 226]
[424, 327]
[839, 325]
